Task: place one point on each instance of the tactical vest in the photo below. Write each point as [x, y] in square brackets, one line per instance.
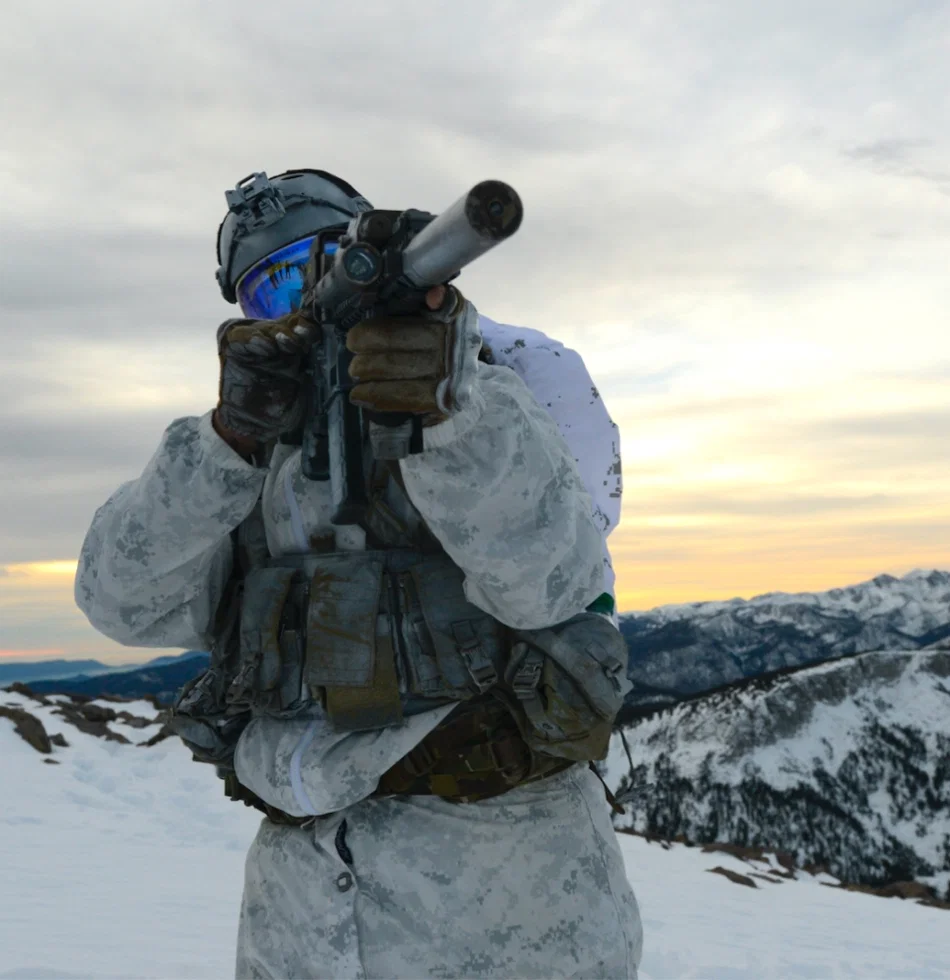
[380, 634]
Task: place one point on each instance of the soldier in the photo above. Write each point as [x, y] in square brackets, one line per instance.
[412, 703]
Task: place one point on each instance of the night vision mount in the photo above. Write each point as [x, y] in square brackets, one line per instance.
[256, 203]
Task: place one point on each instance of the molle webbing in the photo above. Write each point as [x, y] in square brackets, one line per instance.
[373, 634]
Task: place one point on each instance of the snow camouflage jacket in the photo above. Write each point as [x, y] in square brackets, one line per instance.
[350, 894]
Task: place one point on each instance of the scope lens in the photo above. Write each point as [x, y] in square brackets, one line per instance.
[361, 263]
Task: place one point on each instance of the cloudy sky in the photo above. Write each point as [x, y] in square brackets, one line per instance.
[739, 213]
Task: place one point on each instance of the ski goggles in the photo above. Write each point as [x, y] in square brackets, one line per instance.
[273, 287]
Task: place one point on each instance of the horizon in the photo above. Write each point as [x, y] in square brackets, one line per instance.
[135, 656]
[737, 214]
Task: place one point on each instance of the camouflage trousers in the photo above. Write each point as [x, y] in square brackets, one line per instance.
[529, 884]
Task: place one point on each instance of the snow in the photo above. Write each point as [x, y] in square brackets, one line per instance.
[124, 861]
[702, 925]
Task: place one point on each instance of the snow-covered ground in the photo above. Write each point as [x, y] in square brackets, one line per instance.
[125, 861]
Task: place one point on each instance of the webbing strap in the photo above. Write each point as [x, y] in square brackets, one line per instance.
[611, 799]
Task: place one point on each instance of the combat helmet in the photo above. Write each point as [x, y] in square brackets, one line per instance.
[264, 239]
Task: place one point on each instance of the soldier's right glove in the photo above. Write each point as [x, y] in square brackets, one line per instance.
[423, 364]
[262, 367]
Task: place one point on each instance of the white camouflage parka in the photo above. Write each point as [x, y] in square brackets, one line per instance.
[528, 884]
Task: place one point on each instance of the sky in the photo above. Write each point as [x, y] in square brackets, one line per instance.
[738, 213]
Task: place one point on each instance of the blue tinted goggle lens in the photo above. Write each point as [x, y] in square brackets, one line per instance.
[273, 287]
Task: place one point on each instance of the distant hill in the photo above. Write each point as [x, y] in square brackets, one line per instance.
[162, 680]
[163, 661]
[28, 671]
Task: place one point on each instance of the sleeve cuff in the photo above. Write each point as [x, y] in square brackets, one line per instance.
[218, 451]
[457, 425]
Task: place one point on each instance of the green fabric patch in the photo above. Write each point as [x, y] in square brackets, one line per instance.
[604, 603]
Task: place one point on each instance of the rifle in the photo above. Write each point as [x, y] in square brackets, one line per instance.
[381, 264]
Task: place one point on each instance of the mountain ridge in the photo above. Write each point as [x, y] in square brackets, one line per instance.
[162, 681]
[687, 648]
[64, 669]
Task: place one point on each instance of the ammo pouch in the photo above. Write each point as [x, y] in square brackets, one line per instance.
[373, 635]
[569, 682]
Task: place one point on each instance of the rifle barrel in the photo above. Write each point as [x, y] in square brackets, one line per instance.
[488, 214]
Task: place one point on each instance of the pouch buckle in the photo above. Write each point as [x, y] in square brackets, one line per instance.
[613, 669]
[525, 680]
[480, 667]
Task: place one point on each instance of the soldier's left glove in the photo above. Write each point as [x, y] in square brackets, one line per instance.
[262, 369]
[423, 364]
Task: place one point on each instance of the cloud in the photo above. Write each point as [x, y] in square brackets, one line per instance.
[933, 372]
[887, 152]
[87, 442]
[900, 158]
[77, 273]
[926, 426]
[746, 504]
[736, 212]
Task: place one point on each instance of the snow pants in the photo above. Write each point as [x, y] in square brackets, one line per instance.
[529, 885]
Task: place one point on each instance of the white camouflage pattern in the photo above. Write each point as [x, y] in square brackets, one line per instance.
[563, 387]
[531, 884]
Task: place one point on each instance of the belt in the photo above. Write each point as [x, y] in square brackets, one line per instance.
[475, 754]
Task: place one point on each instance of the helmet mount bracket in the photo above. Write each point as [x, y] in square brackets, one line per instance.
[255, 202]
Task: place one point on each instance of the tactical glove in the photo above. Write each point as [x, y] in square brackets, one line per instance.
[423, 364]
[262, 365]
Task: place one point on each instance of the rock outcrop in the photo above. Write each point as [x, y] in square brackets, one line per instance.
[29, 728]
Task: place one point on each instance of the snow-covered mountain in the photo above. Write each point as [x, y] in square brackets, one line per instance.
[121, 858]
[689, 648]
[845, 764]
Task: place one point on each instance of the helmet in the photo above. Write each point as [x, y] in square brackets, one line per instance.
[264, 239]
